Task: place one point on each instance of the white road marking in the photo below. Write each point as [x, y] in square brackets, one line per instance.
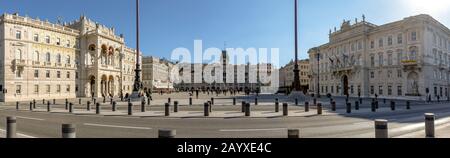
[19, 134]
[115, 126]
[30, 118]
[250, 130]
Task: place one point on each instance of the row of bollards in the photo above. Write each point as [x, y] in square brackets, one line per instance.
[381, 127]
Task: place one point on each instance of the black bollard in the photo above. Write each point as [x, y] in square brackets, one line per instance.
[11, 127]
[31, 106]
[95, 101]
[111, 101]
[374, 109]
[256, 100]
[212, 101]
[296, 102]
[393, 105]
[349, 108]
[88, 106]
[376, 104]
[169, 100]
[97, 108]
[43, 101]
[319, 109]
[114, 106]
[360, 100]
[166, 134]
[234, 101]
[277, 106]
[68, 131]
[167, 109]
[356, 105]
[104, 99]
[70, 107]
[34, 104]
[206, 109]
[333, 106]
[17, 105]
[79, 101]
[143, 105]
[247, 109]
[285, 109]
[130, 108]
[190, 100]
[67, 104]
[381, 129]
[243, 106]
[306, 106]
[54, 101]
[175, 106]
[315, 101]
[408, 105]
[48, 107]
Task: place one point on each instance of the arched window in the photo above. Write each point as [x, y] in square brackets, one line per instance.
[92, 47]
[413, 53]
[47, 57]
[36, 56]
[18, 54]
[58, 58]
[68, 59]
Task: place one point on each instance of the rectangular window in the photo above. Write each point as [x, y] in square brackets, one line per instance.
[18, 73]
[36, 89]
[36, 73]
[68, 43]
[380, 43]
[372, 61]
[76, 88]
[58, 41]
[47, 73]
[372, 44]
[351, 89]
[390, 41]
[48, 88]
[413, 36]
[58, 88]
[390, 60]
[18, 89]
[372, 74]
[399, 39]
[47, 39]
[399, 91]
[389, 73]
[380, 60]
[18, 35]
[58, 74]
[389, 90]
[372, 90]
[380, 90]
[36, 37]
[76, 75]
[68, 88]
[68, 75]
[399, 73]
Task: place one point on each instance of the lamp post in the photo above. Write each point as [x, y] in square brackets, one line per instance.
[318, 73]
[137, 81]
[296, 84]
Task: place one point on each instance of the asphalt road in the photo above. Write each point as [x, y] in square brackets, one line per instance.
[358, 124]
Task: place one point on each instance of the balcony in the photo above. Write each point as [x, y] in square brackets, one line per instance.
[68, 65]
[19, 63]
[58, 65]
[36, 63]
[410, 62]
[47, 63]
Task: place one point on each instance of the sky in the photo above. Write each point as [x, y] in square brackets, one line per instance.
[170, 24]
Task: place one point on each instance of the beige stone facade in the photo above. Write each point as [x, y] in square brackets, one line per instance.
[156, 74]
[403, 59]
[43, 60]
[287, 75]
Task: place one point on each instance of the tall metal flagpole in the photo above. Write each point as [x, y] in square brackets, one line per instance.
[137, 81]
[296, 84]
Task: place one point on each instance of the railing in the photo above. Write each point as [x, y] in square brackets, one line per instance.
[47, 63]
[36, 63]
[409, 62]
[19, 62]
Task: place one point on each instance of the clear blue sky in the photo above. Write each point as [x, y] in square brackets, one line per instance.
[169, 24]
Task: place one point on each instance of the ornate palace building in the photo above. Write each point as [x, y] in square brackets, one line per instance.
[43, 60]
[404, 59]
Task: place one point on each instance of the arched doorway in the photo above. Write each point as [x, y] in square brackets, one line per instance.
[413, 84]
[345, 84]
[103, 86]
[92, 86]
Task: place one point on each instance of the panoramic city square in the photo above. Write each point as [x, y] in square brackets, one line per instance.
[137, 75]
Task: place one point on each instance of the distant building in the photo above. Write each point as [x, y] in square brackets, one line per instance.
[156, 74]
[287, 75]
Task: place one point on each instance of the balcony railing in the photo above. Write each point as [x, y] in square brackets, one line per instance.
[36, 63]
[409, 62]
[19, 62]
[47, 63]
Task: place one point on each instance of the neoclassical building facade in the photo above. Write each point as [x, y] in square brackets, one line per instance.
[43, 60]
[403, 59]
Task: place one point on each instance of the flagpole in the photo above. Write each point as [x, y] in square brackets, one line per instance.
[296, 84]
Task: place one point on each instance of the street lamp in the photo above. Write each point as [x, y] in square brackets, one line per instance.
[296, 84]
[137, 81]
[318, 73]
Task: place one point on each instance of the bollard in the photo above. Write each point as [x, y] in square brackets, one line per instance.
[256, 101]
[285, 109]
[54, 101]
[34, 104]
[166, 109]
[88, 106]
[333, 106]
[104, 99]
[79, 101]
[169, 100]
[166, 133]
[11, 127]
[429, 125]
[206, 109]
[360, 100]
[48, 107]
[373, 107]
[31, 106]
[190, 100]
[17, 105]
[114, 106]
[67, 105]
[356, 105]
[296, 102]
[97, 108]
[143, 105]
[130, 108]
[70, 107]
[247, 109]
[43, 101]
[95, 101]
[111, 101]
[175, 106]
[234, 101]
[306, 106]
[349, 108]
[243, 106]
[212, 101]
[376, 104]
[277, 106]
[319, 109]
[68, 131]
[293, 133]
[384, 100]
[314, 101]
[381, 129]
[408, 105]
[392, 105]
